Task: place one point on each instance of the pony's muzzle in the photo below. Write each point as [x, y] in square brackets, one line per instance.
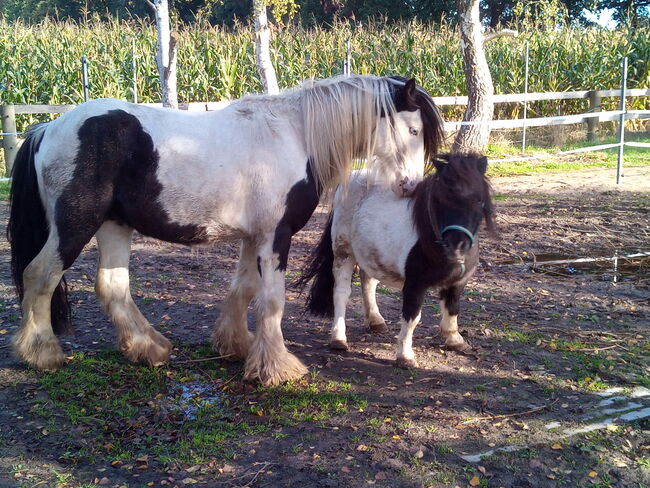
[404, 187]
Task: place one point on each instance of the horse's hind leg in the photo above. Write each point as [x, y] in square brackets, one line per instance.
[35, 342]
[137, 339]
[449, 306]
[374, 320]
[231, 336]
[342, 269]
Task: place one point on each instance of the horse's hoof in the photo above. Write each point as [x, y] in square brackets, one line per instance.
[405, 363]
[231, 348]
[378, 327]
[461, 348]
[152, 348]
[339, 345]
[44, 355]
[272, 370]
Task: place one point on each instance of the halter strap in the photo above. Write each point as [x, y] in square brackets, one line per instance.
[461, 229]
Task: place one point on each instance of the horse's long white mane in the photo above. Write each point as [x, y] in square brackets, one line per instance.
[340, 119]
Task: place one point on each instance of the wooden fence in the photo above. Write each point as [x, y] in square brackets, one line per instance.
[10, 141]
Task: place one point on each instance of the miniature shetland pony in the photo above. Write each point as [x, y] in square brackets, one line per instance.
[428, 240]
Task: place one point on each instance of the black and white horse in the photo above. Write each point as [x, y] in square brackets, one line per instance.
[429, 240]
[253, 171]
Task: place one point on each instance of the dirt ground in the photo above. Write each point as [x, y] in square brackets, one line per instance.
[555, 392]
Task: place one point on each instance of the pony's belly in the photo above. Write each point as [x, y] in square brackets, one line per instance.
[387, 273]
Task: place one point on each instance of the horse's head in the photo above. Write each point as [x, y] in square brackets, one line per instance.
[450, 205]
[407, 136]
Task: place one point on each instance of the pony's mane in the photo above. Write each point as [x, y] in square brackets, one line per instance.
[460, 179]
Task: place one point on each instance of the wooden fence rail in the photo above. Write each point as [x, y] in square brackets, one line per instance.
[10, 142]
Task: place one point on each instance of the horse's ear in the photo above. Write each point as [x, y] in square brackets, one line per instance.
[409, 89]
[482, 164]
[439, 164]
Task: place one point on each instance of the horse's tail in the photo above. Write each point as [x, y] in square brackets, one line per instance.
[28, 229]
[321, 294]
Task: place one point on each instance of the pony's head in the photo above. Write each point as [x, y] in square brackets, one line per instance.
[449, 205]
[389, 121]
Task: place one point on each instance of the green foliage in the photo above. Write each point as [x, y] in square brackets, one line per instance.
[41, 63]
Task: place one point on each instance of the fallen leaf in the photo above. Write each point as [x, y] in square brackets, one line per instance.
[362, 447]
[189, 481]
[475, 481]
[396, 437]
[481, 469]
[592, 474]
[612, 427]
[550, 476]
[557, 446]
[345, 469]
[3, 331]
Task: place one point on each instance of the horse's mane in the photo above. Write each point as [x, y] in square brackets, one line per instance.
[459, 179]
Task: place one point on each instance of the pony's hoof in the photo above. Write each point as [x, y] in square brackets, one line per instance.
[339, 345]
[406, 363]
[152, 348]
[273, 370]
[45, 355]
[378, 327]
[461, 347]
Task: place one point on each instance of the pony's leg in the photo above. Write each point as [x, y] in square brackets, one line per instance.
[412, 299]
[137, 339]
[231, 336]
[374, 320]
[35, 342]
[342, 268]
[449, 306]
[268, 359]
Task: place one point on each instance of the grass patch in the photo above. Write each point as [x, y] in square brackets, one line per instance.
[302, 401]
[4, 190]
[633, 156]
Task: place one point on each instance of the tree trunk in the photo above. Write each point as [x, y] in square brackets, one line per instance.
[480, 107]
[166, 56]
[262, 49]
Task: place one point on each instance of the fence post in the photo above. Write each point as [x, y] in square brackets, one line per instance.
[10, 140]
[84, 76]
[523, 136]
[592, 122]
[621, 131]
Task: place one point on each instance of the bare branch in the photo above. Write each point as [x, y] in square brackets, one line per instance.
[503, 33]
[151, 5]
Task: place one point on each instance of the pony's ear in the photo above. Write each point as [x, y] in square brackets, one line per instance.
[445, 157]
[482, 164]
[439, 164]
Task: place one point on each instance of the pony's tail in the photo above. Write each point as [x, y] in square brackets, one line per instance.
[320, 300]
[28, 230]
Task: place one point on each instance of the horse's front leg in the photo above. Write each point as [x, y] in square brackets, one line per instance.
[449, 306]
[374, 320]
[412, 299]
[231, 336]
[268, 359]
[342, 269]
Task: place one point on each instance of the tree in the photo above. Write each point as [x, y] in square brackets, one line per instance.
[478, 80]
[166, 56]
[263, 49]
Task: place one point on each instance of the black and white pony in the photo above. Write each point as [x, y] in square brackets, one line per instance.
[252, 171]
[429, 240]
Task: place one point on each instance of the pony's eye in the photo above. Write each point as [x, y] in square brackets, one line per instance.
[414, 131]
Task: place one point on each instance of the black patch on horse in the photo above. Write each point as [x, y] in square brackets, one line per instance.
[115, 179]
[300, 204]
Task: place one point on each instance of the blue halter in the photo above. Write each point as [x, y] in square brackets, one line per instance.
[462, 229]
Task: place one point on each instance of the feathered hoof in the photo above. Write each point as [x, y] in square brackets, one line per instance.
[406, 363]
[39, 353]
[378, 327]
[151, 348]
[272, 370]
[339, 345]
[231, 347]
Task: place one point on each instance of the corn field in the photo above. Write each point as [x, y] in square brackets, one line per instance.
[41, 63]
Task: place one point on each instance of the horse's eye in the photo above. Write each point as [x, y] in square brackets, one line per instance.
[414, 131]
